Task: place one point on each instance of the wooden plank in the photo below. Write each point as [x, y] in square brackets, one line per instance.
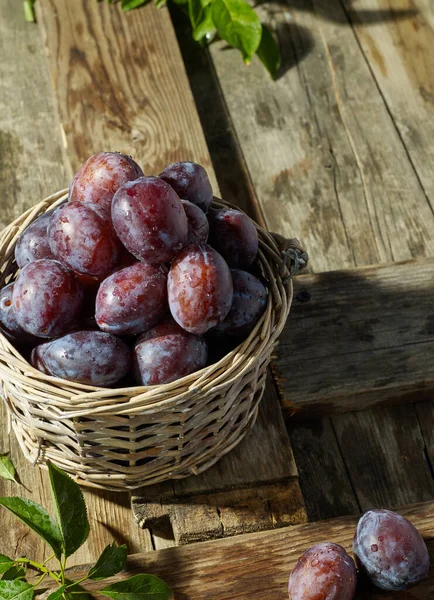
[400, 52]
[258, 565]
[120, 84]
[118, 79]
[258, 476]
[324, 480]
[32, 166]
[385, 455]
[322, 167]
[374, 339]
[32, 162]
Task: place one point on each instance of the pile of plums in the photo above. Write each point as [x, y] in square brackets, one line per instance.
[389, 552]
[133, 276]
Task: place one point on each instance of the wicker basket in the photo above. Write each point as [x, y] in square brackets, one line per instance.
[124, 438]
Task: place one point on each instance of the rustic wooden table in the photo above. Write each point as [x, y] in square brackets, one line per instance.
[339, 153]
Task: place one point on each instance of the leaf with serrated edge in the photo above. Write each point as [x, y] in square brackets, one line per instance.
[57, 595]
[15, 572]
[7, 469]
[36, 517]
[268, 52]
[238, 24]
[111, 561]
[16, 590]
[5, 563]
[70, 508]
[139, 587]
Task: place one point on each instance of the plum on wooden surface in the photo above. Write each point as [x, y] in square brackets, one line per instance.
[81, 236]
[33, 243]
[47, 298]
[233, 234]
[166, 353]
[133, 299]
[200, 288]
[149, 219]
[99, 178]
[248, 304]
[190, 181]
[9, 325]
[89, 357]
[198, 226]
[324, 572]
[390, 550]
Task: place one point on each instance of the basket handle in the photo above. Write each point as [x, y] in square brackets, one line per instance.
[294, 257]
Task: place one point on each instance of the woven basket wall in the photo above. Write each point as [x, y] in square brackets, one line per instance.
[125, 438]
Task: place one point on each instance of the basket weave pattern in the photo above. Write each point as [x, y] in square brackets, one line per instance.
[124, 438]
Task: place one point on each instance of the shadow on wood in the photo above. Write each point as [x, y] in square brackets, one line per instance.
[326, 11]
[358, 338]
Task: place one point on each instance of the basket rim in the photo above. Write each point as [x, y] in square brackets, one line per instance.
[128, 400]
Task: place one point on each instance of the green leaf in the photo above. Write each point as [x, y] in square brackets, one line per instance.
[16, 590]
[15, 572]
[75, 591]
[70, 508]
[29, 13]
[111, 561]
[139, 587]
[5, 563]
[160, 3]
[238, 24]
[7, 469]
[195, 11]
[57, 594]
[206, 27]
[37, 518]
[269, 52]
[200, 14]
[130, 4]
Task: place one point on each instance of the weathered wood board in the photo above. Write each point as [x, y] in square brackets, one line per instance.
[254, 487]
[257, 565]
[118, 80]
[357, 338]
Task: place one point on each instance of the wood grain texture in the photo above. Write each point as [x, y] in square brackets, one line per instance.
[120, 84]
[389, 441]
[32, 166]
[254, 487]
[323, 167]
[32, 162]
[400, 53]
[324, 479]
[258, 565]
[364, 336]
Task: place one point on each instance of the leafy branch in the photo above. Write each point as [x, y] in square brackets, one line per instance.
[233, 21]
[65, 534]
